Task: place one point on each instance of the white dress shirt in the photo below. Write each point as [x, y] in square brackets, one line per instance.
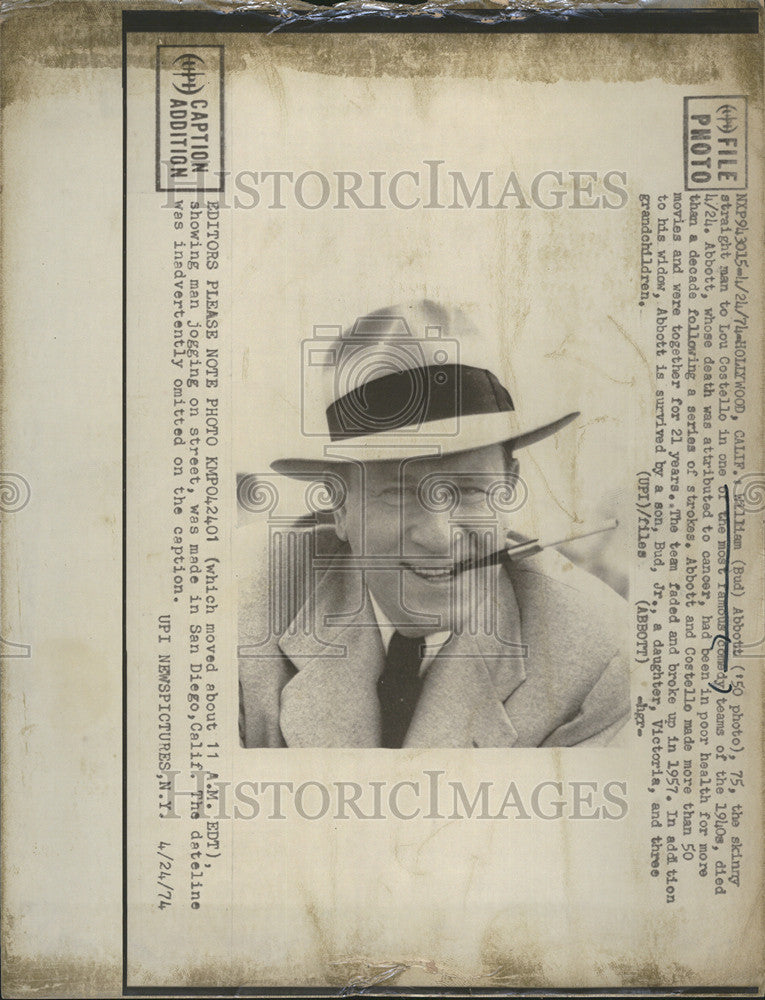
[433, 643]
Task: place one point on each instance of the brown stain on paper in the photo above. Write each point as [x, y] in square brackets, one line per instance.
[88, 36]
[59, 976]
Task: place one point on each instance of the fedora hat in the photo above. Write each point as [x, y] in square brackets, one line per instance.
[402, 382]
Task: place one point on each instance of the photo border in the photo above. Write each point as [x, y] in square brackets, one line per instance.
[591, 20]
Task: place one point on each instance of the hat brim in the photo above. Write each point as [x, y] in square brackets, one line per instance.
[433, 439]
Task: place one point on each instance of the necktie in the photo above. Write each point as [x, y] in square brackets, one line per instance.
[399, 688]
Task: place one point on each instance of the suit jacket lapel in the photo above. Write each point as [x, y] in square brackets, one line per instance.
[332, 700]
[461, 704]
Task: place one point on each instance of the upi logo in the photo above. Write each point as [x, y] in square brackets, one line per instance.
[190, 70]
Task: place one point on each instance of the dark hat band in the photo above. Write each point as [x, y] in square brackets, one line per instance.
[406, 399]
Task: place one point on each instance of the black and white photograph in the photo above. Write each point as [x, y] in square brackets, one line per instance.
[416, 613]
[382, 500]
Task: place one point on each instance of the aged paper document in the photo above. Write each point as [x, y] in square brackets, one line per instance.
[383, 500]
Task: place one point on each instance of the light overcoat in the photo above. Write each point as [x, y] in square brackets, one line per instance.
[552, 672]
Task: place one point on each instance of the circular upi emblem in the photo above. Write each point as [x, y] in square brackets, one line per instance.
[727, 118]
[190, 71]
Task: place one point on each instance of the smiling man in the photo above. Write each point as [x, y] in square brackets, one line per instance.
[397, 624]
